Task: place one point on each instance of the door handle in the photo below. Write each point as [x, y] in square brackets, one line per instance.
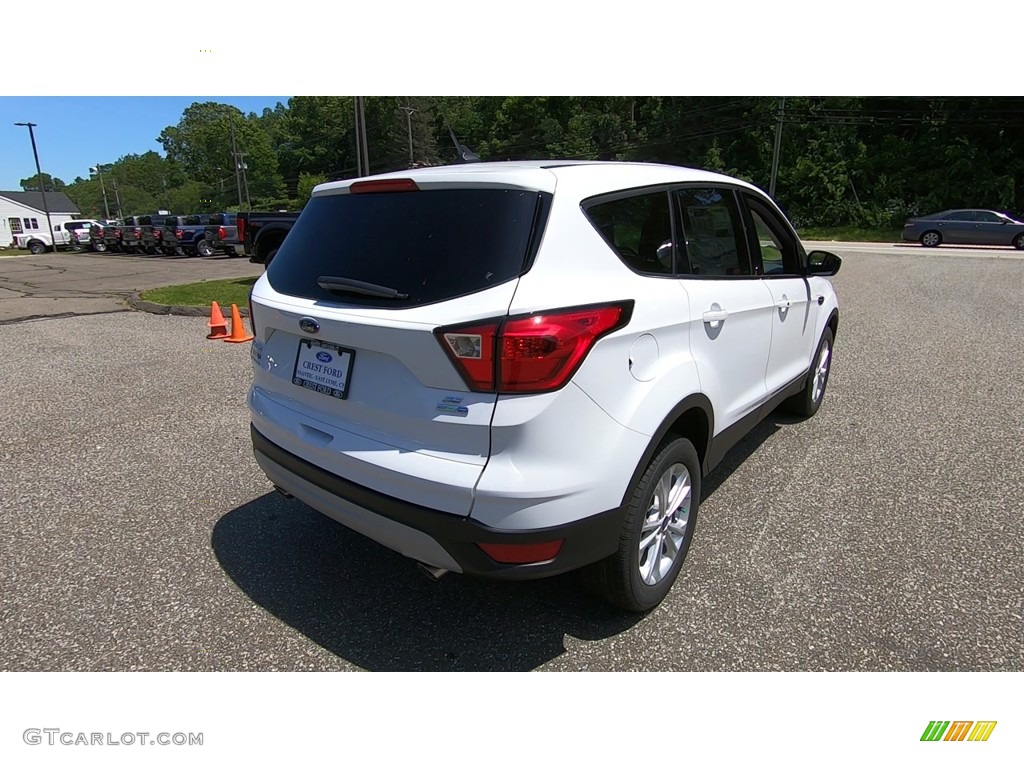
[783, 303]
[715, 316]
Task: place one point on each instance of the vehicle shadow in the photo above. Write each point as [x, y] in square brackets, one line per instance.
[375, 609]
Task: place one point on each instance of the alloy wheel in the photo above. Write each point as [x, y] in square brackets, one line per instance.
[665, 523]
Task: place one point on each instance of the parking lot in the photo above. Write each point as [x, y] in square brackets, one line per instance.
[89, 283]
[887, 533]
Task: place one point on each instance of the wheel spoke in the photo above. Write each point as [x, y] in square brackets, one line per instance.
[680, 495]
[671, 548]
[678, 527]
[655, 558]
[648, 540]
[663, 492]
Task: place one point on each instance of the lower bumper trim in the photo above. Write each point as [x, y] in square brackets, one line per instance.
[586, 541]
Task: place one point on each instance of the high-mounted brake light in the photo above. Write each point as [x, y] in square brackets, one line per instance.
[532, 353]
[383, 185]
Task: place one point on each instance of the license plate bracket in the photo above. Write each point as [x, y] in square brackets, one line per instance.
[323, 367]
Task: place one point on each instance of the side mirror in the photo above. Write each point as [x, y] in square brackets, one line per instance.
[824, 263]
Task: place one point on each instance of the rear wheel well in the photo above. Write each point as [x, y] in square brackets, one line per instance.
[269, 242]
[693, 425]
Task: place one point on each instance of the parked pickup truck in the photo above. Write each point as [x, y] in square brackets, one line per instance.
[222, 233]
[108, 236]
[64, 233]
[186, 235]
[151, 230]
[262, 233]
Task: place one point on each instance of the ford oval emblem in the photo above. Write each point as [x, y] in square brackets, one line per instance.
[324, 357]
[309, 325]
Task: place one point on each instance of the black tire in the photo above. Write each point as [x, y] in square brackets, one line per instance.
[808, 402]
[203, 248]
[270, 258]
[618, 578]
[931, 239]
[1018, 242]
[36, 248]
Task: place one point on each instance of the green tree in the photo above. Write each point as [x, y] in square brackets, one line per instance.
[306, 183]
[31, 184]
[201, 143]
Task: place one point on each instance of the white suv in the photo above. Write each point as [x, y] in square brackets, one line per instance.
[521, 369]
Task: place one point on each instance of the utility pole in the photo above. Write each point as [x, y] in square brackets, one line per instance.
[117, 197]
[234, 157]
[778, 146]
[245, 181]
[408, 114]
[99, 172]
[362, 151]
[42, 184]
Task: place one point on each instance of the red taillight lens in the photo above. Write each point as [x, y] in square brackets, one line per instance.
[240, 226]
[518, 554]
[533, 353]
[117, 233]
[179, 233]
[138, 233]
[383, 185]
[222, 234]
[158, 234]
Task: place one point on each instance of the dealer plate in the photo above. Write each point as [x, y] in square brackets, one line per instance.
[323, 367]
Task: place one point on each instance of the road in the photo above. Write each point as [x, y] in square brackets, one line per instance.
[86, 283]
[887, 533]
[913, 249]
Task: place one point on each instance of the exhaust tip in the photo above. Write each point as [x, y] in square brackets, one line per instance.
[432, 572]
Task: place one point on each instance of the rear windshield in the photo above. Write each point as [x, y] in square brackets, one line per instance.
[432, 245]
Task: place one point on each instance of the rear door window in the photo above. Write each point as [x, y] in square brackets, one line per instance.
[713, 231]
[432, 245]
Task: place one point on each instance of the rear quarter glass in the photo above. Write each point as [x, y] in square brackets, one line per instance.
[433, 245]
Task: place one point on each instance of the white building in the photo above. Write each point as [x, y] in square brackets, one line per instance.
[21, 213]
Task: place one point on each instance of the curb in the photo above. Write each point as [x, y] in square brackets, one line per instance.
[136, 302]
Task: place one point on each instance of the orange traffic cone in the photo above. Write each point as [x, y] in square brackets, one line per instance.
[238, 333]
[218, 325]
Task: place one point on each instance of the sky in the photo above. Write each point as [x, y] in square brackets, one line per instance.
[73, 132]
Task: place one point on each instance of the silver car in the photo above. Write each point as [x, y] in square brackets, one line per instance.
[971, 226]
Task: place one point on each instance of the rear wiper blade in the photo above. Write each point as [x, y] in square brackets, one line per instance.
[348, 285]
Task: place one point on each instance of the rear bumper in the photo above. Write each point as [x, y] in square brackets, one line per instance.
[435, 538]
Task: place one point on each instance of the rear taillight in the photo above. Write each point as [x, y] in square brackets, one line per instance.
[252, 316]
[179, 233]
[158, 234]
[222, 234]
[530, 353]
[240, 227]
[138, 233]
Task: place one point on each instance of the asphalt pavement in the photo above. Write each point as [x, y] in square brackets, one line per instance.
[88, 283]
[886, 533]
